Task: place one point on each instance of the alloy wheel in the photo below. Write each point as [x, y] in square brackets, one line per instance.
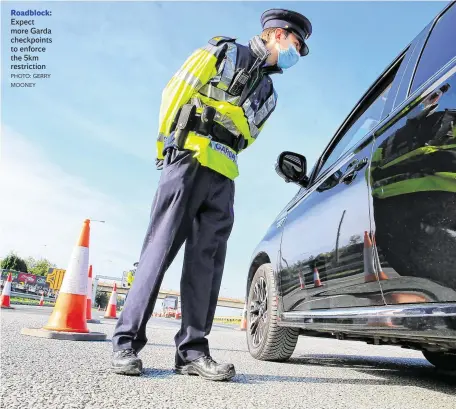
[258, 312]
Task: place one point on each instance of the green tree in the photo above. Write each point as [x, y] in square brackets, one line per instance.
[355, 239]
[13, 262]
[39, 267]
[101, 299]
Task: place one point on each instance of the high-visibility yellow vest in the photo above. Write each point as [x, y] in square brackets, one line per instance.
[203, 80]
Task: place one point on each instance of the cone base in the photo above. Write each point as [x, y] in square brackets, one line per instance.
[68, 336]
[4, 307]
[94, 321]
[110, 318]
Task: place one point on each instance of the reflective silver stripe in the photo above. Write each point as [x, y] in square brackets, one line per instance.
[216, 93]
[189, 78]
[161, 137]
[221, 119]
[196, 101]
[250, 114]
[265, 109]
[224, 150]
[210, 48]
[229, 67]
[227, 123]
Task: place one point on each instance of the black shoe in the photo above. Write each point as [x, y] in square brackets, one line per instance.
[207, 368]
[126, 362]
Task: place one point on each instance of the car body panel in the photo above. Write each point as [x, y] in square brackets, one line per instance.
[414, 198]
[322, 251]
[403, 203]
[419, 326]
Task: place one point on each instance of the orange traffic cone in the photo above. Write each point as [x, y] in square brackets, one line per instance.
[317, 282]
[41, 301]
[243, 326]
[70, 310]
[6, 293]
[302, 284]
[111, 310]
[89, 295]
[89, 299]
[381, 273]
[69, 313]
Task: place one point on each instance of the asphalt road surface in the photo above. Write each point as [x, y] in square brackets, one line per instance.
[323, 373]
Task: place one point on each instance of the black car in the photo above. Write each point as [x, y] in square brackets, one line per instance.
[366, 249]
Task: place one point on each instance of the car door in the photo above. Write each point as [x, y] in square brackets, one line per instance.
[326, 258]
[413, 177]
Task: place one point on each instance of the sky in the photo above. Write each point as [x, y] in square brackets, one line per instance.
[81, 144]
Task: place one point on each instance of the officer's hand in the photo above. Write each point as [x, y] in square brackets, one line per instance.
[159, 164]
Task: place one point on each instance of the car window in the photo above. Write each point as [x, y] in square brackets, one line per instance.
[440, 48]
[366, 121]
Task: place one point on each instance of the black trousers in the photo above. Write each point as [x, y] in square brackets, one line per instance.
[193, 204]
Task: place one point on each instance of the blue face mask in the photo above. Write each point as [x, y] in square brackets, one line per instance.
[288, 57]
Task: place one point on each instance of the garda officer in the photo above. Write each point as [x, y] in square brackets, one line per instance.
[212, 109]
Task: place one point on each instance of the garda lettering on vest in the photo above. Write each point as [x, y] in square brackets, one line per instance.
[224, 150]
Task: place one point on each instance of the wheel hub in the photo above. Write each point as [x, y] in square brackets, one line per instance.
[258, 312]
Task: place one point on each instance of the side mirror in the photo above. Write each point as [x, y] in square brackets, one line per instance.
[292, 167]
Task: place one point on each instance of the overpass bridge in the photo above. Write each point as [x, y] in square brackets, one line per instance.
[103, 286]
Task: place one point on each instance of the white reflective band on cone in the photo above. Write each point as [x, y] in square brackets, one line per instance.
[7, 288]
[113, 298]
[89, 288]
[75, 279]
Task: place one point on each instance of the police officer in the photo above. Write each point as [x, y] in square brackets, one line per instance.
[212, 109]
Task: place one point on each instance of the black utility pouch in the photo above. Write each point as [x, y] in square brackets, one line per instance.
[205, 121]
[185, 123]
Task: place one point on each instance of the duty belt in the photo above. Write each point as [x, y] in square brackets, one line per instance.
[188, 120]
[220, 134]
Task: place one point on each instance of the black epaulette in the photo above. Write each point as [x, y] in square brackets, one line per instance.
[221, 39]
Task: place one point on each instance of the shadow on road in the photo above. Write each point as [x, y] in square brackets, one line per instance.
[157, 373]
[388, 370]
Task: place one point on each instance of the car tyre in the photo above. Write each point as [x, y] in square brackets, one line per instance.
[265, 339]
[441, 360]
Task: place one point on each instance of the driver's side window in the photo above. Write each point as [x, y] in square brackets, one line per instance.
[368, 117]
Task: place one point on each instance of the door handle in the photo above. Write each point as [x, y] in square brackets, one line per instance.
[352, 169]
